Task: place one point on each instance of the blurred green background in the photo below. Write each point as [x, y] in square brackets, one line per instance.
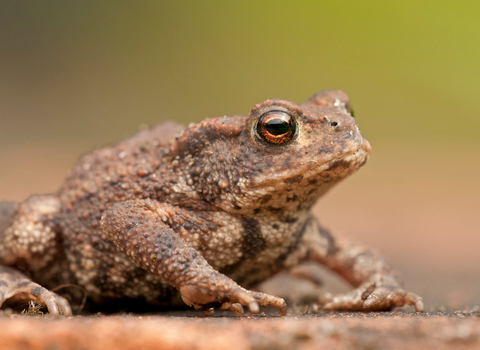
[75, 75]
[91, 71]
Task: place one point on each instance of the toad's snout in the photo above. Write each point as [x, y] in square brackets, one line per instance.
[344, 123]
[366, 146]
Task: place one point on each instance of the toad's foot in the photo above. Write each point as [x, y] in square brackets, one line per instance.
[15, 285]
[229, 296]
[379, 293]
[378, 285]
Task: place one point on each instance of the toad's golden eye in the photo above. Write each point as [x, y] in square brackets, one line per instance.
[276, 127]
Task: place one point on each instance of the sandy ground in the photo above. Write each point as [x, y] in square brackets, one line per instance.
[397, 330]
[417, 204]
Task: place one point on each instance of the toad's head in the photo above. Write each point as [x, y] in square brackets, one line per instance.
[281, 156]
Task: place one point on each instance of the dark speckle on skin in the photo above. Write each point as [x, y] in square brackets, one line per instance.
[363, 163]
[253, 242]
[22, 284]
[276, 211]
[369, 291]
[291, 220]
[37, 291]
[332, 249]
[339, 163]
[293, 179]
[292, 247]
[294, 198]
[265, 199]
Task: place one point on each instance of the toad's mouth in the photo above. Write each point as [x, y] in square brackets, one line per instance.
[328, 170]
[357, 158]
[343, 166]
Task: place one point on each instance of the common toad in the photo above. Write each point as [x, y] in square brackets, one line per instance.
[202, 212]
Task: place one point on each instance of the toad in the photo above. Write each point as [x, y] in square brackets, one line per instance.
[201, 214]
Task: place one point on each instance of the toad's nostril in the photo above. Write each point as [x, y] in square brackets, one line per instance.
[334, 124]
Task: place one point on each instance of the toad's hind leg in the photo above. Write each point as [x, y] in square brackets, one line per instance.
[28, 239]
[378, 286]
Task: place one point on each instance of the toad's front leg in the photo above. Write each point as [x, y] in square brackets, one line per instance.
[379, 286]
[143, 230]
[16, 286]
[27, 239]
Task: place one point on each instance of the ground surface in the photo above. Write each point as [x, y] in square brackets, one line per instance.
[396, 330]
[417, 204]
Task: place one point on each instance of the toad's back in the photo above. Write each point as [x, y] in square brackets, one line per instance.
[112, 174]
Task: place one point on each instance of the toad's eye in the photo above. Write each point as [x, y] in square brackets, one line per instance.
[276, 127]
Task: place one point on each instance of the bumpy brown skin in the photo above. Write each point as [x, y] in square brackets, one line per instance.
[204, 211]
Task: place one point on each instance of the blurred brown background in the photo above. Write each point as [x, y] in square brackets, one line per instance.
[78, 75]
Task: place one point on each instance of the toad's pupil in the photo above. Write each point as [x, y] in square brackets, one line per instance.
[277, 126]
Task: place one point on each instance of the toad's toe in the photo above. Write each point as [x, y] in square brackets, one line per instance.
[13, 285]
[370, 297]
[235, 307]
